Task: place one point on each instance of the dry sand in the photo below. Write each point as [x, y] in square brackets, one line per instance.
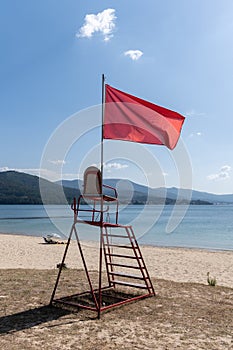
[174, 264]
[189, 315]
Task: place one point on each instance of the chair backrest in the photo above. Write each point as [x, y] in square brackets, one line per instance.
[92, 181]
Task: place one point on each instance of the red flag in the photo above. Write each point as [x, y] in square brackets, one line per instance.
[130, 118]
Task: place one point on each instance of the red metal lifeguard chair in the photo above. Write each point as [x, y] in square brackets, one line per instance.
[119, 251]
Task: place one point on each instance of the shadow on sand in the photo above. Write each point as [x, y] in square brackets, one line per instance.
[30, 318]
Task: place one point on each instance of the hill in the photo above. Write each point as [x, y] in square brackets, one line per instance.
[203, 196]
[142, 194]
[21, 188]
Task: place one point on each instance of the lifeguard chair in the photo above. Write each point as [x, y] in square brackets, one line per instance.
[119, 251]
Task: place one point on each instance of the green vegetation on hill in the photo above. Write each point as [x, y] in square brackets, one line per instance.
[21, 188]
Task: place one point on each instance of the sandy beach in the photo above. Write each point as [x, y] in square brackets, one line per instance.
[173, 264]
[186, 313]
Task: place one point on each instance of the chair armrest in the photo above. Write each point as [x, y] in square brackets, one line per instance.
[111, 188]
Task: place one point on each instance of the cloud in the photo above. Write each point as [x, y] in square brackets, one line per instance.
[223, 174]
[57, 162]
[198, 134]
[44, 173]
[5, 168]
[103, 22]
[193, 113]
[133, 54]
[115, 165]
[225, 168]
[32, 171]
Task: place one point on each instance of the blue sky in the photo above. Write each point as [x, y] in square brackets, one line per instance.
[177, 54]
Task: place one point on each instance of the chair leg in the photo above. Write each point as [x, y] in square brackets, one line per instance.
[117, 212]
[78, 205]
[94, 210]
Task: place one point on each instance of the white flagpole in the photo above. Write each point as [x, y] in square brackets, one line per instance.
[102, 131]
[102, 204]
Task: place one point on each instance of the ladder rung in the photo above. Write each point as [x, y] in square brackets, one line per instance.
[122, 274]
[126, 266]
[123, 256]
[129, 284]
[120, 246]
[117, 236]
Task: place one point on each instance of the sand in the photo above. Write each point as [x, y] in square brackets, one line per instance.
[174, 264]
[183, 316]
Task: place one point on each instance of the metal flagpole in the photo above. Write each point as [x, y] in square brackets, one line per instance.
[101, 209]
[102, 131]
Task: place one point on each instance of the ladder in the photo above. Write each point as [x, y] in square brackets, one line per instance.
[125, 265]
[125, 268]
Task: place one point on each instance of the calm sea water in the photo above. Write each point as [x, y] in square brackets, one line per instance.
[209, 227]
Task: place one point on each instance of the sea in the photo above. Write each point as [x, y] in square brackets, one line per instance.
[196, 226]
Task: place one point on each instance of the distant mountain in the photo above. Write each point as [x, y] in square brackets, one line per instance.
[197, 197]
[70, 183]
[203, 196]
[128, 191]
[21, 188]
[142, 193]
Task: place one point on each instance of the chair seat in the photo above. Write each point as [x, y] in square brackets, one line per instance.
[93, 194]
[98, 198]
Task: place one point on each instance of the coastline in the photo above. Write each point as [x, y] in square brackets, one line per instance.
[169, 263]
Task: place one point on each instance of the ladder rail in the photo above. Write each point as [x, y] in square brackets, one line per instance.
[106, 255]
[136, 256]
[144, 271]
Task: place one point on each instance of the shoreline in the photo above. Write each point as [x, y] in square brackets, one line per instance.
[141, 244]
[169, 263]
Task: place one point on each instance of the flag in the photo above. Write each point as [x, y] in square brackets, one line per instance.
[130, 118]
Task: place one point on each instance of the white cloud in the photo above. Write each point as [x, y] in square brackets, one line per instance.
[44, 173]
[5, 168]
[223, 174]
[117, 166]
[57, 162]
[32, 171]
[193, 113]
[103, 23]
[225, 168]
[71, 176]
[134, 54]
[195, 134]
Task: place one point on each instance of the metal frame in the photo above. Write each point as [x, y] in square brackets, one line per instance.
[105, 249]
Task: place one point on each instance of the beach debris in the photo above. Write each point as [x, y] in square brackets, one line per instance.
[63, 265]
[211, 280]
[49, 239]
